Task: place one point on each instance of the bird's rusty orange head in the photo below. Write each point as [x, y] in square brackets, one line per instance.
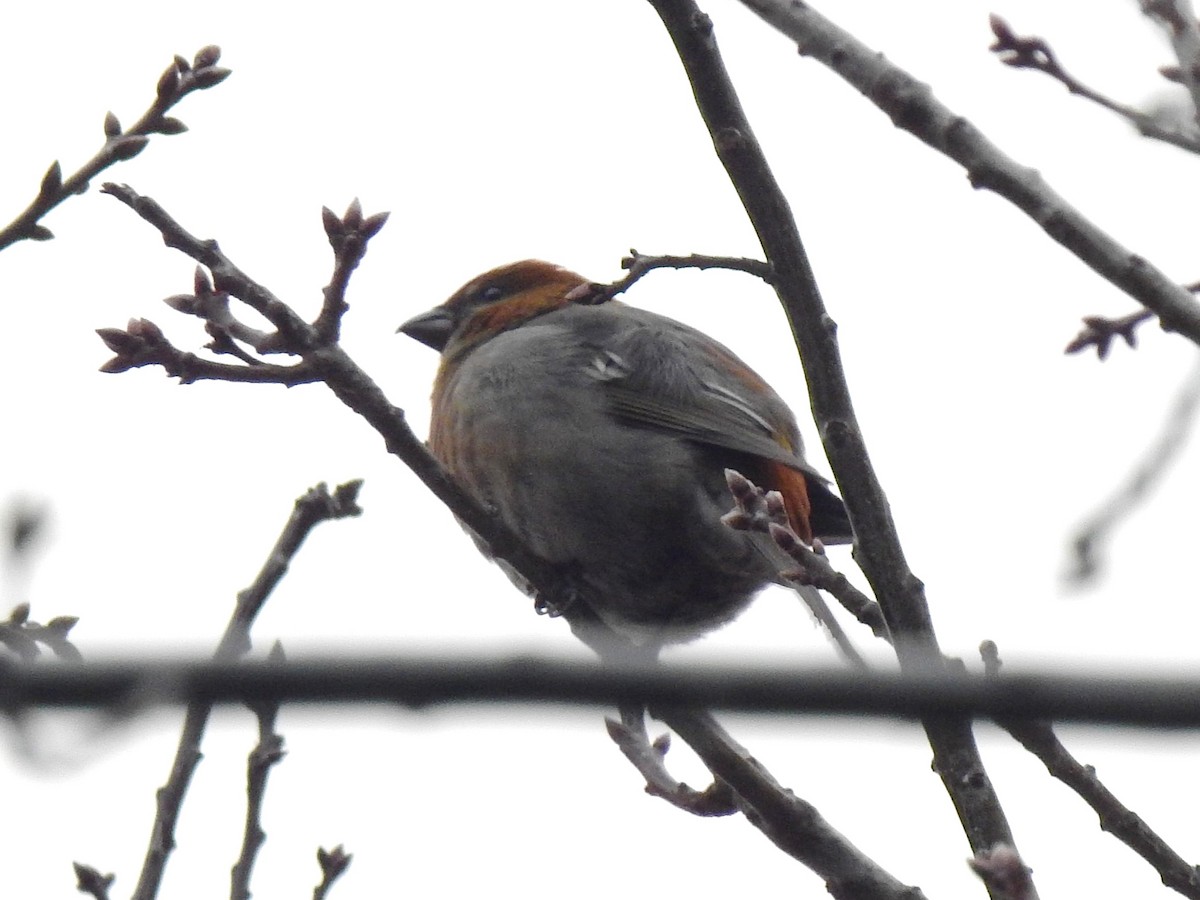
[494, 302]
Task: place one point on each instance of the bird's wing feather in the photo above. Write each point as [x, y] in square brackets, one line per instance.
[703, 417]
[660, 373]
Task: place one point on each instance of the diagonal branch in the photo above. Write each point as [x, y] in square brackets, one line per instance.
[912, 106]
[350, 384]
[900, 594]
[1038, 737]
[793, 825]
[759, 510]
[178, 80]
[315, 506]
[1100, 332]
[266, 754]
[1028, 52]
[649, 758]
[324, 360]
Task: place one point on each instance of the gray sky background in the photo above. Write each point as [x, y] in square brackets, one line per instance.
[494, 132]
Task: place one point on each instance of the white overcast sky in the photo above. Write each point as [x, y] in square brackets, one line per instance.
[566, 131]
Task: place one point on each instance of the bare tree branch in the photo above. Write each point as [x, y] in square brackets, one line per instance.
[793, 825]
[418, 680]
[877, 547]
[266, 753]
[324, 360]
[1026, 52]
[912, 106]
[1038, 737]
[649, 758]
[1001, 868]
[313, 507]
[348, 382]
[21, 635]
[180, 79]
[1100, 332]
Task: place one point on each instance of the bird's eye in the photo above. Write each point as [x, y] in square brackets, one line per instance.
[491, 293]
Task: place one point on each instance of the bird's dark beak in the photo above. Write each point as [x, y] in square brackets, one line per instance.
[432, 328]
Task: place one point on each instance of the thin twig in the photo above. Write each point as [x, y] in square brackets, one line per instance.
[314, 506]
[878, 551]
[325, 361]
[266, 754]
[333, 864]
[21, 635]
[764, 511]
[142, 343]
[792, 824]
[638, 265]
[1028, 52]
[1100, 332]
[649, 758]
[180, 79]
[348, 236]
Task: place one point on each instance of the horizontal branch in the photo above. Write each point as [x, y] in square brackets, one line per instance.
[423, 680]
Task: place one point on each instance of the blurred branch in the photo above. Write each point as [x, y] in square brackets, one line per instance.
[24, 527]
[180, 79]
[21, 635]
[1087, 546]
[1178, 20]
[313, 507]
[1038, 737]
[912, 106]
[1027, 52]
[420, 681]
[142, 343]
[900, 594]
